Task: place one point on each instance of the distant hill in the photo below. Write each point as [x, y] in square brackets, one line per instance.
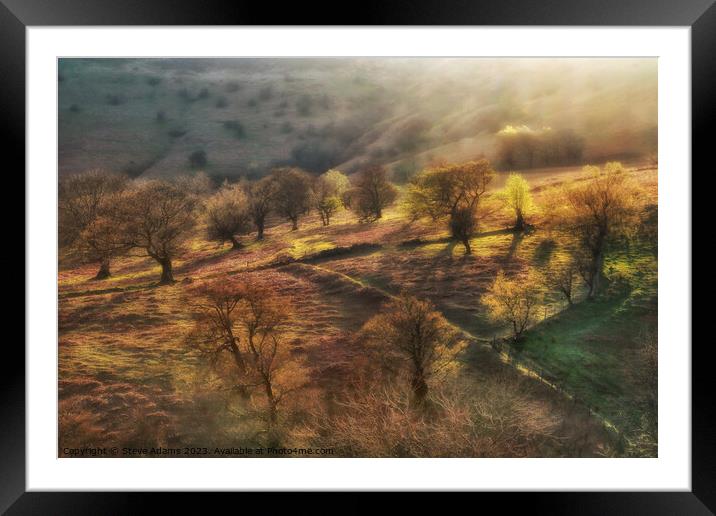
[146, 117]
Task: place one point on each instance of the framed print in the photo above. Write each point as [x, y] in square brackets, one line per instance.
[438, 249]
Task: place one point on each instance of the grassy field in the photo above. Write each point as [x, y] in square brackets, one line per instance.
[591, 351]
[128, 375]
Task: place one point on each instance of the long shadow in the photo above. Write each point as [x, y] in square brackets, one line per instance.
[517, 237]
[494, 232]
[338, 253]
[402, 228]
[110, 290]
[448, 250]
[544, 251]
[212, 259]
[343, 229]
[417, 242]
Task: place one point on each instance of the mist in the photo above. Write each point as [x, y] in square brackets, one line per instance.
[153, 117]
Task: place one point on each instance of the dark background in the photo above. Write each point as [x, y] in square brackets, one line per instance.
[15, 15]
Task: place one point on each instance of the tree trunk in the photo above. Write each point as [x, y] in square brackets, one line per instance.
[466, 243]
[240, 364]
[273, 435]
[272, 412]
[420, 389]
[595, 271]
[103, 272]
[590, 292]
[378, 213]
[598, 278]
[167, 273]
[294, 223]
[260, 231]
[235, 244]
[597, 264]
[520, 222]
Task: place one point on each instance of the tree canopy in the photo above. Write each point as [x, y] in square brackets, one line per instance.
[452, 192]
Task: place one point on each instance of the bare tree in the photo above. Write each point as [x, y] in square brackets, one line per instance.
[87, 210]
[227, 215]
[514, 301]
[417, 337]
[293, 193]
[328, 190]
[372, 193]
[452, 192]
[560, 277]
[215, 304]
[262, 314]
[599, 209]
[157, 217]
[261, 195]
[102, 240]
[584, 264]
[245, 319]
[473, 417]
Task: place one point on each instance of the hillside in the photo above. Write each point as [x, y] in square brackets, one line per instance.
[130, 377]
[145, 117]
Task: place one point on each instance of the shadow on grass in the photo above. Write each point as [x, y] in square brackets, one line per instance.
[544, 251]
[517, 237]
[130, 288]
[417, 242]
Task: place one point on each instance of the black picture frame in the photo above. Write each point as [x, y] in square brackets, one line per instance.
[17, 15]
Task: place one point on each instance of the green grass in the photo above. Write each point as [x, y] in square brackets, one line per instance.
[302, 247]
[591, 350]
[638, 266]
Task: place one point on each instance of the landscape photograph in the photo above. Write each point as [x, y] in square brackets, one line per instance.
[359, 257]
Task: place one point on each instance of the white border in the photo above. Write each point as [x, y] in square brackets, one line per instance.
[670, 471]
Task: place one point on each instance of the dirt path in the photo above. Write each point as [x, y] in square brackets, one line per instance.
[327, 276]
[358, 295]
